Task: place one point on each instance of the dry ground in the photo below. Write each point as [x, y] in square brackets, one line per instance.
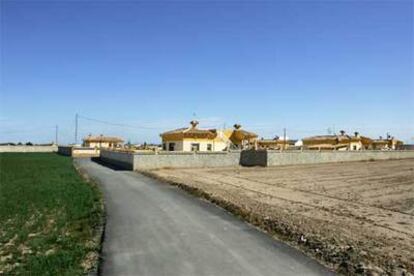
[356, 217]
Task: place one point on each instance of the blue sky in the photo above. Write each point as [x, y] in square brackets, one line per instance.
[304, 65]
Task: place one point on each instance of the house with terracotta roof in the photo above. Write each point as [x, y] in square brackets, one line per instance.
[240, 138]
[193, 138]
[276, 143]
[341, 141]
[389, 143]
[102, 142]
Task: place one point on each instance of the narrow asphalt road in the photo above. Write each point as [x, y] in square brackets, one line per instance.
[156, 229]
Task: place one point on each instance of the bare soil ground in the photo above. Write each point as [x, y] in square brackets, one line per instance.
[356, 217]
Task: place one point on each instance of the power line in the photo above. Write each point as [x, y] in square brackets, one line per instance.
[115, 124]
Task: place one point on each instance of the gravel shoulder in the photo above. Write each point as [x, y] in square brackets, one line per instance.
[356, 217]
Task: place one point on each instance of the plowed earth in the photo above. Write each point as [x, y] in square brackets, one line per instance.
[356, 217]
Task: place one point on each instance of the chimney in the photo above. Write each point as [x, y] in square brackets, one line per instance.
[342, 132]
[194, 123]
[356, 134]
[237, 126]
[380, 137]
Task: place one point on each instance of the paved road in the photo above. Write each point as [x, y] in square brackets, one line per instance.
[156, 229]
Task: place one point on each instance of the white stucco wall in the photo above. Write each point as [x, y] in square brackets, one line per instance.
[356, 145]
[24, 148]
[215, 146]
[185, 145]
[85, 152]
[177, 147]
[99, 145]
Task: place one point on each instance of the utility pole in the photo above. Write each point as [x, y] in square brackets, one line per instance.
[76, 128]
[56, 135]
[284, 138]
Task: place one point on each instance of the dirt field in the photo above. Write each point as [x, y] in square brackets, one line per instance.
[356, 217]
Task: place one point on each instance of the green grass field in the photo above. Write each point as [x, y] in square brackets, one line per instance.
[48, 216]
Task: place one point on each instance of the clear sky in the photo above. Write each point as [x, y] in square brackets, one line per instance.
[304, 65]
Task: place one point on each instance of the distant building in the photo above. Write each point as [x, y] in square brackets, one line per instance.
[338, 142]
[276, 143]
[194, 139]
[299, 144]
[102, 142]
[407, 147]
[146, 147]
[240, 138]
[390, 143]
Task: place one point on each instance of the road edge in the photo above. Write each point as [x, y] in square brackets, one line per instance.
[99, 234]
[311, 247]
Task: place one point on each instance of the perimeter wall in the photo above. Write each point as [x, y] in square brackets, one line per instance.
[277, 158]
[22, 148]
[151, 160]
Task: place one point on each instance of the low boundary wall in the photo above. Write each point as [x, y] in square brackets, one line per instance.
[65, 150]
[150, 160]
[277, 158]
[121, 159]
[53, 148]
[85, 152]
[78, 151]
[186, 160]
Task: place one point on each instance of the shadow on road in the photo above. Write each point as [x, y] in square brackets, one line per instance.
[108, 165]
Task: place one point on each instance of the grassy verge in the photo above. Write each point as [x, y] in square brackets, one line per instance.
[49, 216]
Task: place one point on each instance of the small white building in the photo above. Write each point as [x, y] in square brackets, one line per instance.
[101, 142]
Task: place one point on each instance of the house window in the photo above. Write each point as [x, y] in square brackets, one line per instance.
[209, 147]
[171, 146]
[195, 147]
[355, 147]
[164, 146]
